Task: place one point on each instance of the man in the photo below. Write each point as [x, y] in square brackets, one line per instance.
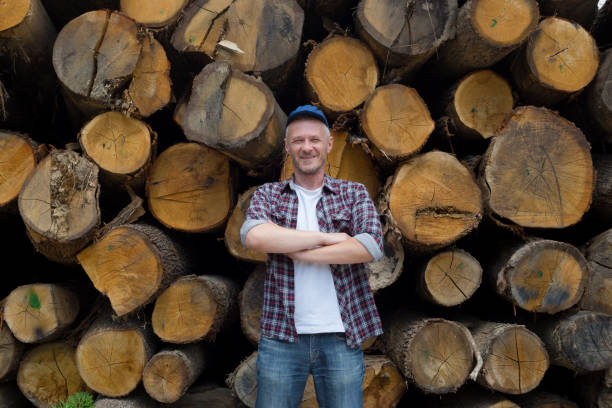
[318, 306]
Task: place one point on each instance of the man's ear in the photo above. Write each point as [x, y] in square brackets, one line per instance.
[330, 143]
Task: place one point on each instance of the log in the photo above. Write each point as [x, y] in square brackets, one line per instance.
[581, 11]
[450, 277]
[39, 312]
[386, 271]
[396, 121]
[11, 396]
[122, 147]
[112, 354]
[153, 14]
[437, 355]
[487, 31]
[170, 372]
[405, 34]
[601, 25]
[232, 240]
[432, 200]
[48, 374]
[540, 276]
[235, 114]
[478, 104]
[538, 170]
[250, 302]
[514, 358]
[261, 36]
[10, 355]
[345, 161]
[598, 290]
[194, 308]
[559, 58]
[59, 205]
[581, 341]
[208, 395]
[138, 401]
[543, 399]
[18, 158]
[243, 380]
[340, 74]
[599, 96]
[132, 264]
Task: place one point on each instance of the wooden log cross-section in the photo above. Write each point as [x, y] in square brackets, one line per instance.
[10, 354]
[598, 290]
[153, 14]
[250, 301]
[232, 238]
[18, 159]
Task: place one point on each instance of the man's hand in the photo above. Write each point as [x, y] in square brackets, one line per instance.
[348, 251]
[332, 238]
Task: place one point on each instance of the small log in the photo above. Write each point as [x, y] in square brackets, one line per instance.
[169, 373]
[599, 96]
[122, 147]
[132, 264]
[432, 200]
[243, 380]
[194, 308]
[340, 74]
[153, 14]
[598, 290]
[232, 239]
[405, 34]
[542, 399]
[487, 31]
[397, 121]
[112, 354]
[250, 301]
[59, 205]
[559, 59]
[137, 401]
[581, 341]
[545, 181]
[386, 271]
[10, 355]
[514, 359]
[208, 395]
[48, 374]
[539, 276]
[437, 355]
[601, 25]
[189, 188]
[581, 11]
[450, 277]
[345, 161]
[478, 104]
[236, 114]
[39, 312]
[18, 159]
[12, 397]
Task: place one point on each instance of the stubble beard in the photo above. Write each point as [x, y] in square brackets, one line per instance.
[308, 170]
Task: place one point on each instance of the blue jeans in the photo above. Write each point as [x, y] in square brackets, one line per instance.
[283, 368]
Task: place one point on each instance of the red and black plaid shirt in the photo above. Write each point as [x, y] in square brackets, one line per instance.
[344, 206]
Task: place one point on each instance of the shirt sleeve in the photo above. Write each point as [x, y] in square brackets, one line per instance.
[257, 213]
[366, 223]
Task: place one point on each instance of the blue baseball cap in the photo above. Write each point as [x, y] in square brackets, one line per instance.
[307, 111]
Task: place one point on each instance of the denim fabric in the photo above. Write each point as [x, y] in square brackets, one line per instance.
[283, 368]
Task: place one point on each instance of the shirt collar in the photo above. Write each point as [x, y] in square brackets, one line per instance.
[329, 184]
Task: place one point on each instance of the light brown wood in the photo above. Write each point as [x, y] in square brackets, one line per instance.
[10, 354]
[13, 13]
[397, 121]
[59, 205]
[340, 74]
[154, 13]
[17, 161]
[232, 240]
[538, 170]
[189, 188]
[48, 374]
[598, 290]
[194, 308]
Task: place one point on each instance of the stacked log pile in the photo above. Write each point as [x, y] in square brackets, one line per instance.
[133, 134]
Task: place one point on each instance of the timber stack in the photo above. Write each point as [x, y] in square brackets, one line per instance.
[133, 134]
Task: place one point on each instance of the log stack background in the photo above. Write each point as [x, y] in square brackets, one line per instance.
[132, 134]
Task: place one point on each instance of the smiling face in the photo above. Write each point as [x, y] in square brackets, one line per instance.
[308, 144]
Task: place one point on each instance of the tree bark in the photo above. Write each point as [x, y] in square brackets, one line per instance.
[59, 205]
[250, 301]
[18, 158]
[599, 96]
[581, 11]
[48, 374]
[598, 290]
[132, 264]
[190, 188]
[559, 58]
[10, 355]
[544, 181]
[232, 240]
[195, 308]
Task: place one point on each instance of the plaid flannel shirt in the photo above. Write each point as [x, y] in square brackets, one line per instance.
[344, 206]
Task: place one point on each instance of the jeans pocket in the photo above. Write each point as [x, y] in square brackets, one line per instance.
[340, 336]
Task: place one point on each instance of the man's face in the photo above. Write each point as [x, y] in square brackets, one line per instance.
[308, 145]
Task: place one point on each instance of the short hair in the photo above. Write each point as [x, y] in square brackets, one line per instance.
[325, 128]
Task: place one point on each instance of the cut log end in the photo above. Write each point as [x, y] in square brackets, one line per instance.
[12, 13]
[10, 353]
[17, 161]
[250, 301]
[452, 277]
[232, 239]
[157, 13]
[504, 24]
[169, 373]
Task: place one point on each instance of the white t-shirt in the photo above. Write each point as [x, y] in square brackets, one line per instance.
[316, 301]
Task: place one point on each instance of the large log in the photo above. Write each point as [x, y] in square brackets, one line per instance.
[599, 96]
[153, 14]
[559, 59]
[487, 31]
[18, 158]
[581, 11]
[112, 354]
[132, 264]
[232, 238]
[341, 73]
[195, 308]
[59, 205]
[598, 291]
[436, 354]
[432, 200]
[538, 170]
[235, 114]
[10, 354]
[405, 34]
[397, 121]
[48, 374]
